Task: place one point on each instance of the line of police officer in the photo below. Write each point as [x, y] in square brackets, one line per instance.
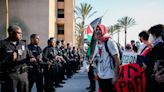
[23, 65]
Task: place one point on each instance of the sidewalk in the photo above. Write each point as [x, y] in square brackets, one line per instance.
[77, 83]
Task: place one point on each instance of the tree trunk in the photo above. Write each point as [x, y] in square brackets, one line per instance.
[125, 35]
[118, 37]
[80, 41]
[82, 34]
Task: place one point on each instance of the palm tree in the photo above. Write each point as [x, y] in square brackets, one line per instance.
[126, 22]
[78, 33]
[111, 30]
[117, 27]
[78, 29]
[83, 12]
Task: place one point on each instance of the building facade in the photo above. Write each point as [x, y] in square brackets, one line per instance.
[48, 18]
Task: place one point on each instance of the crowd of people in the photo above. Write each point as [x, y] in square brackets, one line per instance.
[23, 64]
[105, 63]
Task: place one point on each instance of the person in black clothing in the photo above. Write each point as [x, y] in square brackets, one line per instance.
[49, 56]
[15, 56]
[69, 71]
[50, 71]
[60, 64]
[35, 73]
[74, 60]
[62, 43]
[156, 56]
[146, 46]
[142, 59]
[64, 55]
[78, 59]
[91, 76]
[135, 48]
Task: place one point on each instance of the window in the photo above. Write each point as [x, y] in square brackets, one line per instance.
[60, 0]
[60, 13]
[60, 29]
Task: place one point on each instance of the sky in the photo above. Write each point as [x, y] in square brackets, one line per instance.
[145, 12]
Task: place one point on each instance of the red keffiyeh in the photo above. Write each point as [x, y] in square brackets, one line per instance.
[105, 33]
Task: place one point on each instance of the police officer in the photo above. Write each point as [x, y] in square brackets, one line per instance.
[74, 62]
[64, 54]
[69, 71]
[15, 55]
[50, 72]
[61, 63]
[35, 73]
[2, 78]
[62, 43]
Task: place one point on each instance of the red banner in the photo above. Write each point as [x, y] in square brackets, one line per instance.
[131, 79]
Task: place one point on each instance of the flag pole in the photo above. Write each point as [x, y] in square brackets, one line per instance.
[7, 17]
[104, 13]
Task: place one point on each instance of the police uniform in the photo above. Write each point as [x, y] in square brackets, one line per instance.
[61, 65]
[77, 59]
[16, 71]
[2, 78]
[50, 73]
[73, 56]
[69, 71]
[35, 73]
[65, 62]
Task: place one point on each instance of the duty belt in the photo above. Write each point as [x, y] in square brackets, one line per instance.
[18, 70]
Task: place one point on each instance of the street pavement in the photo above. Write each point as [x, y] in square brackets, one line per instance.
[77, 83]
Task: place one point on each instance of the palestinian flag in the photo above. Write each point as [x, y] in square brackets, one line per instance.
[91, 27]
[90, 32]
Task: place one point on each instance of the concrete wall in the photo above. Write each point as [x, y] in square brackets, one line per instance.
[2, 19]
[31, 15]
[69, 21]
[52, 18]
[39, 16]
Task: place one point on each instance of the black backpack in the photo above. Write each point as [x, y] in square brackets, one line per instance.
[107, 49]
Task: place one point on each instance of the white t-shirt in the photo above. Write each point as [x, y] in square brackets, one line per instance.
[105, 71]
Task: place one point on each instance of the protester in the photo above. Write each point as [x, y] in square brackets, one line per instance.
[135, 49]
[91, 73]
[128, 48]
[108, 65]
[143, 59]
[138, 44]
[128, 56]
[157, 58]
[146, 46]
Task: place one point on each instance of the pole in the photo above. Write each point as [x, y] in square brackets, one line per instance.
[7, 17]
